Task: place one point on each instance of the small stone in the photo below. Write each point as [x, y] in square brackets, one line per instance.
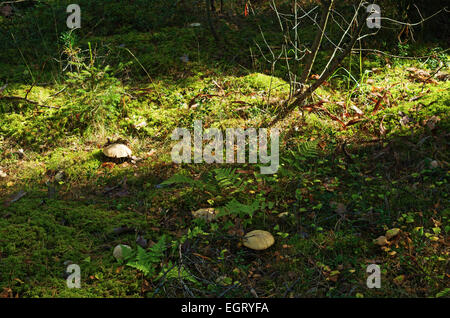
[142, 242]
[434, 164]
[118, 251]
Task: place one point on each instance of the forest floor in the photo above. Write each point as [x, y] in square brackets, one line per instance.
[366, 155]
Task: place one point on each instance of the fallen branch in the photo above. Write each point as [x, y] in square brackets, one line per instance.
[18, 98]
[378, 104]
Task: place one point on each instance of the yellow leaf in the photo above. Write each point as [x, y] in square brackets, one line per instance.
[333, 273]
[399, 279]
[391, 233]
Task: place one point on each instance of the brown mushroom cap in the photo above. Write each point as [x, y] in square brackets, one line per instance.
[258, 240]
[117, 151]
[208, 214]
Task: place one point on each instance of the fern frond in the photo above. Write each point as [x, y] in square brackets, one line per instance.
[308, 149]
[146, 261]
[179, 179]
[227, 178]
[241, 210]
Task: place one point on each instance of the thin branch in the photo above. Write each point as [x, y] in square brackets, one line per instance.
[28, 91]
[396, 56]
[326, 10]
[417, 23]
[322, 29]
[16, 1]
[355, 17]
[18, 98]
[301, 96]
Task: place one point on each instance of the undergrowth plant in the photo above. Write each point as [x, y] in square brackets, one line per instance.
[146, 261]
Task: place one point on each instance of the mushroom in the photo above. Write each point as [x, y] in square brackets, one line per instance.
[391, 233]
[207, 214]
[117, 151]
[258, 240]
[381, 241]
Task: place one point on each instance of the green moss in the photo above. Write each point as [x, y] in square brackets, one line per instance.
[39, 237]
[385, 185]
[262, 82]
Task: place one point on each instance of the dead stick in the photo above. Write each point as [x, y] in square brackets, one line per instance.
[18, 98]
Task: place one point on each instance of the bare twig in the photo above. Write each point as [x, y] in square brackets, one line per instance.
[28, 91]
[302, 95]
[18, 98]
[310, 58]
[396, 56]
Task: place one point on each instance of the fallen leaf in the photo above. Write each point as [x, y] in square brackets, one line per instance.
[353, 121]
[202, 256]
[431, 123]
[378, 104]
[6, 293]
[357, 110]
[399, 279]
[108, 165]
[381, 241]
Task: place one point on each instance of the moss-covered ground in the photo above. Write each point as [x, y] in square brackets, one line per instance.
[337, 188]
